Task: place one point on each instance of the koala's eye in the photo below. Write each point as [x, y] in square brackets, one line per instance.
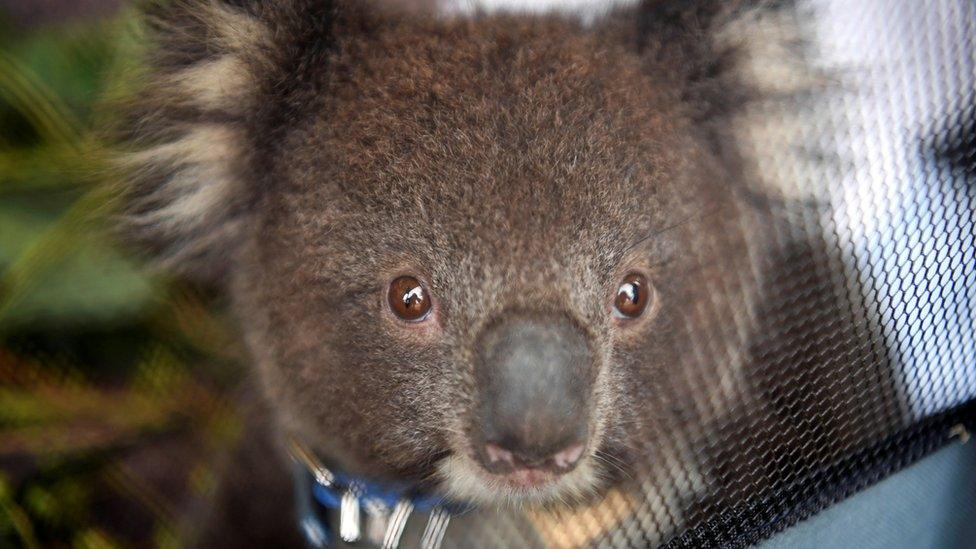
[632, 297]
[409, 299]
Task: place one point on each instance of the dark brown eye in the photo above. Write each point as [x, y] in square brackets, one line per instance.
[632, 296]
[409, 299]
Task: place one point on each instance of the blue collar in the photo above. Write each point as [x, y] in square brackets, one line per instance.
[323, 494]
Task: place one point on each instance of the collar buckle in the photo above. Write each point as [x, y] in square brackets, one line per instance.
[353, 497]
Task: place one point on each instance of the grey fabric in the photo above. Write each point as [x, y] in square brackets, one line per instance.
[931, 504]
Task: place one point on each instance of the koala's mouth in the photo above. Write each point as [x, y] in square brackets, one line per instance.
[517, 472]
[566, 475]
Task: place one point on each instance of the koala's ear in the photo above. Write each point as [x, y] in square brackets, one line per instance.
[723, 53]
[217, 88]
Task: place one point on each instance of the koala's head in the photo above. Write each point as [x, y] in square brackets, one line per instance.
[461, 250]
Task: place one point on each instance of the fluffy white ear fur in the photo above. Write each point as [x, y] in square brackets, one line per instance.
[186, 161]
[780, 64]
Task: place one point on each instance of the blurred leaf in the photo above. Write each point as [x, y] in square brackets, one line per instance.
[22, 91]
[50, 166]
[60, 273]
[94, 539]
[70, 59]
[13, 515]
[164, 538]
[41, 503]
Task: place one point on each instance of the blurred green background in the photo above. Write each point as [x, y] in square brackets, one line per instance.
[115, 383]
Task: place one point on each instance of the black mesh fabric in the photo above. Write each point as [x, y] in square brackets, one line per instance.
[859, 356]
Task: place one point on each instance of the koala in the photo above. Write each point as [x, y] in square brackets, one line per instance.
[502, 258]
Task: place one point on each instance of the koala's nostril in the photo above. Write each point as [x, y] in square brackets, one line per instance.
[568, 457]
[498, 454]
[501, 460]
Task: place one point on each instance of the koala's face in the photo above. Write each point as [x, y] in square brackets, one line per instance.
[465, 252]
[466, 270]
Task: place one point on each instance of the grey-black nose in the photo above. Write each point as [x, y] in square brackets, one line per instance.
[535, 376]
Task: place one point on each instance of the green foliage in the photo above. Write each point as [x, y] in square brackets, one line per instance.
[112, 379]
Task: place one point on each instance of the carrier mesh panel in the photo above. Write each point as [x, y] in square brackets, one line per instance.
[858, 354]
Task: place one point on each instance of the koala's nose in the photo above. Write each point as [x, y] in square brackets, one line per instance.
[535, 377]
